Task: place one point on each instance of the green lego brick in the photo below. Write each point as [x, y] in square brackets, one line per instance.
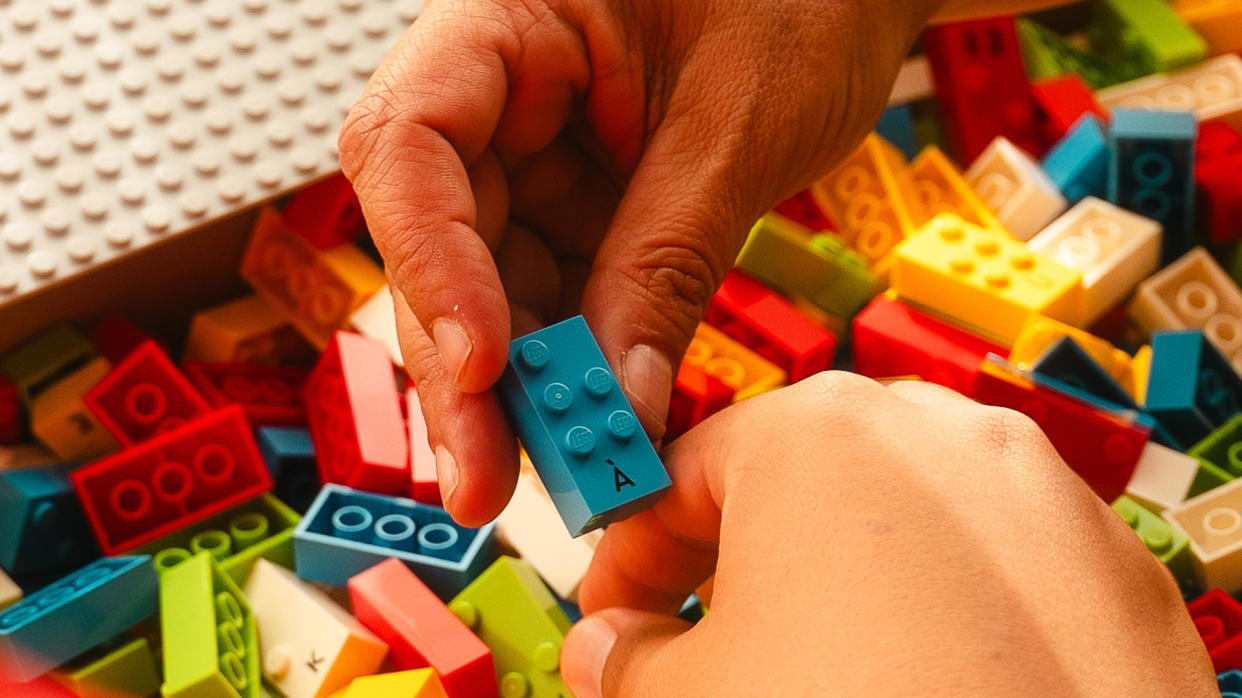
[1220, 457]
[1047, 54]
[819, 268]
[1169, 545]
[236, 537]
[211, 648]
[47, 357]
[121, 669]
[1146, 36]
[512, 611]
[1209, 477]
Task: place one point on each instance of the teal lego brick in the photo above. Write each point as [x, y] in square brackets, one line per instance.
[1191, 389]
[1066, 364]
[1143, 36]
[290, 457]
[74, 614]
[347, 531]
[43, 529]
[1230, 684]
[578, 427]
[1152, 172]
[896, 125]
[1078, 163]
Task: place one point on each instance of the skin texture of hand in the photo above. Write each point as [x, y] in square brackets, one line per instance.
[956, 554]
[520, 161]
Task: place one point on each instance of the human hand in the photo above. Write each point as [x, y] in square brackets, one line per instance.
[865, 540]
[520, 162]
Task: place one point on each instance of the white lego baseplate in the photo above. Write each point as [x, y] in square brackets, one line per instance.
[125, 123]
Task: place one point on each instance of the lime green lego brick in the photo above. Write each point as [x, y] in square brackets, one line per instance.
[819, 268]
[511, 610]
[120, 669]
[1145, 36]
[236, 537]
[1047, 54]
[210, 643]
[46, 357]
[1209, 477]
[1169, 545]
[1220, 457]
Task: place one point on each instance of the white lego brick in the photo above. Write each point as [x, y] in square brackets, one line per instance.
[1212, 90]
[529, 526]
[126, 123]
[914, 82]
[1213, 522]
[1193, 293]
[1016, 189]
[10, 593]
[309, 645]
[1113, 248]
[377, 319]
[1162, 478]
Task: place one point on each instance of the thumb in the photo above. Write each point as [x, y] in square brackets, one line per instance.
[622, 652]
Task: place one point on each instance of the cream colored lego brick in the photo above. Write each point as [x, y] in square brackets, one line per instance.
[1162, 478]
[529, 525]
[1113, 248]
[246, 330]
[61, 421]
[309, 645]
[378, 320]
[1213, 522]
[1212, 90]
[914, 82]
[10, 593]
[1193, 293]
[1016, 189]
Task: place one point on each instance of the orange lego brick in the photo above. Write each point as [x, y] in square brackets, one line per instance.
[247, 330]
[942, 188]
[1040, 333]
[1219, 22]
[735, 365]
[60, 420]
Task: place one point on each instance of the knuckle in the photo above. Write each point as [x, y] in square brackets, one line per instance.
[1007, 431]
[836, 394]
[678, 281]
[362, 135]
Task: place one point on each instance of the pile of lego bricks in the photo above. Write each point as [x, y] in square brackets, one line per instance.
[1041, 222]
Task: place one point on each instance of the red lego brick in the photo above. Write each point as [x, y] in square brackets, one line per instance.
[763, 321]
[355, 417]
[10, 413]
[171, 480]
[1218, 618]
[1061, 102]
[115, 338]
[420, 630]
[1218, 183]
[892, 339]
[981, 86]
[1102, 448]
[1217, 139]
[144, 395]
[326, 213]
[697, 395]
[270, 395]
[802, 209]
[424, 484]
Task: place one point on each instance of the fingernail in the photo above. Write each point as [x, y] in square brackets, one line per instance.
[446, 473]
[647, 378]
[592, 643]
[453, 344]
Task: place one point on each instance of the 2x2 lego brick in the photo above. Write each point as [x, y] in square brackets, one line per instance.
[144, 395]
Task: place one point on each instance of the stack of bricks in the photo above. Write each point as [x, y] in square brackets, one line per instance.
[1041, 221]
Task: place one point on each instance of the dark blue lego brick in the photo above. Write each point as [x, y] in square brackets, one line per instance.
[1078, 163]
[1153, 172]
[897, 127]
[74, 614]
[1066, 364]
[1192, 389]
[290, 458]
[1230, 684]
[578, 427]
[347, 531]
[42, 527]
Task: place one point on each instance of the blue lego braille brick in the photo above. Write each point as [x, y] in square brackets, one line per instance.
[42, 527]
[897, 127]
[74, 614]
[1066, 364]
[1230, 684]
[1152, 172]
[347, 531]
[1078, 163]
[1192, 389]
[289, 455]
[578, 427]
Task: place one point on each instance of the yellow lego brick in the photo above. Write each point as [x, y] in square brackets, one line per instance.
[10, 593]
[120, 669]
[60, 420]
[735, 365]
[419, 683]
[316, 289]
[247, 330]
[942, 189]
[1219, 22]
[871, 196]
[1040, 333]
[984, 278]
[1140, 369]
